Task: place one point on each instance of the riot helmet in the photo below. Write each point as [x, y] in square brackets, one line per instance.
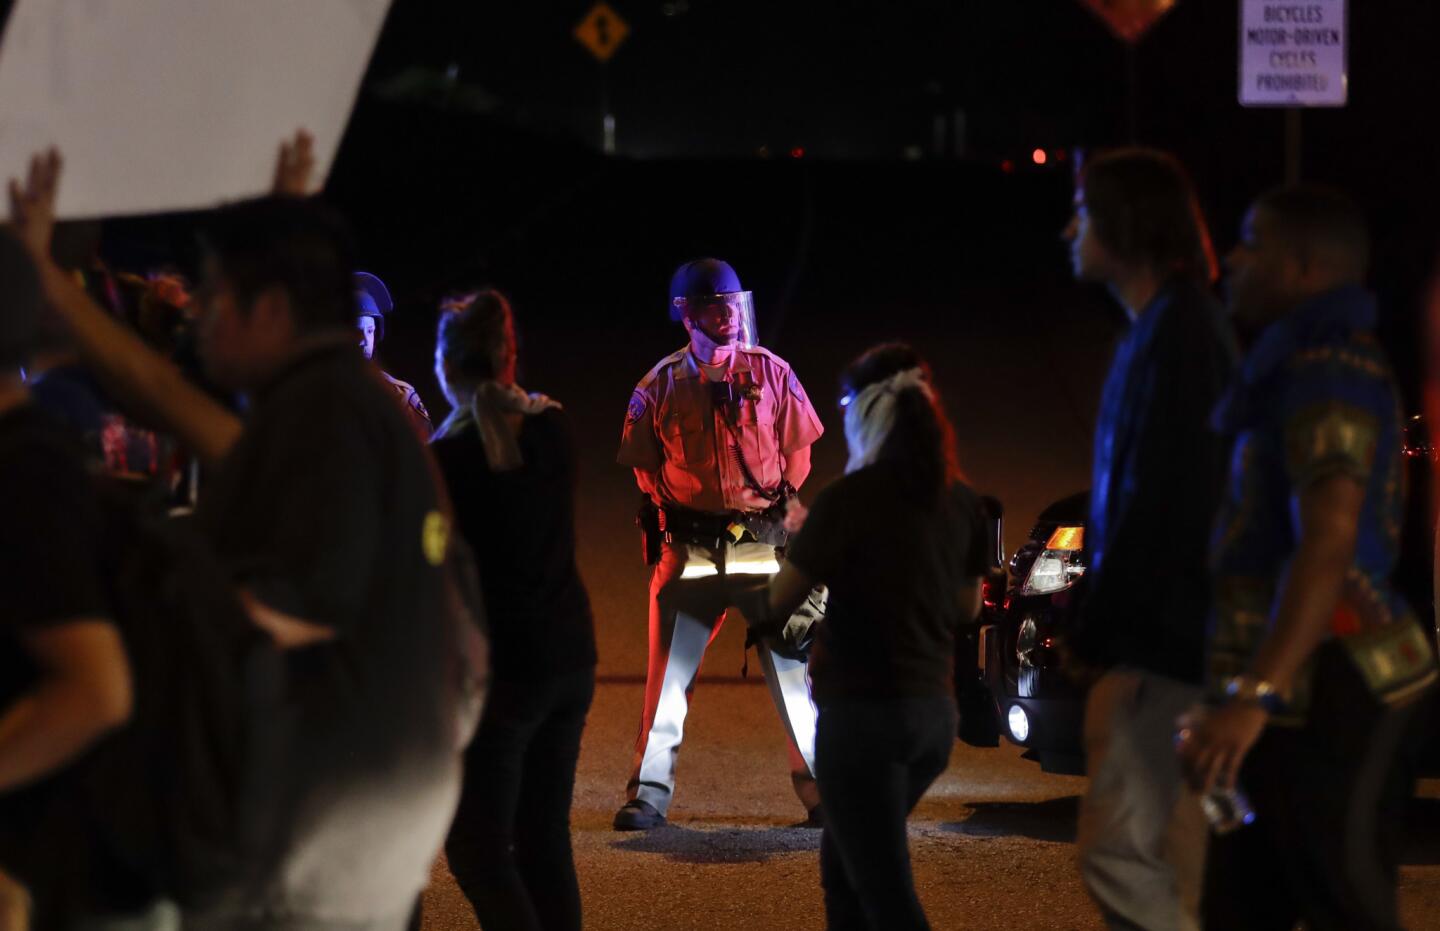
[372, 300]
[707, 292]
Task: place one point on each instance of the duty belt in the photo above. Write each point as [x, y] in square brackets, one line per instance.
[711, 529]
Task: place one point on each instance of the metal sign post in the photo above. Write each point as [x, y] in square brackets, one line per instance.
[1129, 20]
[601, 31]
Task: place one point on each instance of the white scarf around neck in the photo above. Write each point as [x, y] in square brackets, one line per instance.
[870, 416]
[486, 412]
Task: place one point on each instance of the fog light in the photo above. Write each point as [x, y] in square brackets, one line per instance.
[1019, 724]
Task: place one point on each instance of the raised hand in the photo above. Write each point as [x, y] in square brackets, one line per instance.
[32, 204]
[293, 166]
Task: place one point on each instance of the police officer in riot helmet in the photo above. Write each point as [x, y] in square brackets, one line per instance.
[372, 303]
[718, 434]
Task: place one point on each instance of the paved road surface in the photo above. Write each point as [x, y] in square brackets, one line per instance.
[992, 843]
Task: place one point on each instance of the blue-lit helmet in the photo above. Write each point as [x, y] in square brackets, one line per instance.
[711, 285]
[372, 299]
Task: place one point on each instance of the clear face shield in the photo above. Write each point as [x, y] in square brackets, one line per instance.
[725, 319]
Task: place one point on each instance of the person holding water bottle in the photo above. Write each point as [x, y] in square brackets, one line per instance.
[1318, 669]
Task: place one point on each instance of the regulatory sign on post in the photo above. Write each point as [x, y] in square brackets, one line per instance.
[1293, 53]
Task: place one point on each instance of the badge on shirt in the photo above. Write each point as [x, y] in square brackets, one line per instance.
[418, 407]
[435, 537]
[636, 410]
[795, 388]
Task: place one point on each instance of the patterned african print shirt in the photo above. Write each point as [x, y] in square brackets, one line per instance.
[1316, 399]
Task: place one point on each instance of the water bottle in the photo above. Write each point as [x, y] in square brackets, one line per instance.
[1226, 809]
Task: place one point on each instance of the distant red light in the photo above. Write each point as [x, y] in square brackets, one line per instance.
[797, 152]
[1038, 156]
[1007, 166]
[1060, 155]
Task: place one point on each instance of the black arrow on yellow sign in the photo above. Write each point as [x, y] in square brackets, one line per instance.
[601, 31]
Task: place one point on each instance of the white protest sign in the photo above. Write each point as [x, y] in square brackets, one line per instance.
[177, 104]
[1293, 53]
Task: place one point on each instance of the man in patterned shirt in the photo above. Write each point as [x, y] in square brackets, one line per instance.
[1306, 542]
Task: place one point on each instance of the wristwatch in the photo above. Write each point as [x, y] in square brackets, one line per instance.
[1253, 691]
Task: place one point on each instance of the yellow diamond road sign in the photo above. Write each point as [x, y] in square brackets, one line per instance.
[601, 31]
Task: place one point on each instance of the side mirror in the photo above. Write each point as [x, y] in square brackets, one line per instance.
[993, 513]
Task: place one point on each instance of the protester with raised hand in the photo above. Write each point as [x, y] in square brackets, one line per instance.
[65, 681]
[336, 541]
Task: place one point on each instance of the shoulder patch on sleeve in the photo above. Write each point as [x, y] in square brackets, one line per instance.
[435, 537]
[638, 405]
[795, 388]
[1329, 437]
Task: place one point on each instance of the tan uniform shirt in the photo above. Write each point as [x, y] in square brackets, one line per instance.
[415, 410]
[673, 429]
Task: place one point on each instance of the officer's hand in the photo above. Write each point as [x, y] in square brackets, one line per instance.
[293, 166]
[795, 514]
[754, 502]
[32, 204]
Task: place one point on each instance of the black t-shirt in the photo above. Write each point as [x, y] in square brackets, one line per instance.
[50, 572]
[521, 526]
[895, 567]
[330, 508]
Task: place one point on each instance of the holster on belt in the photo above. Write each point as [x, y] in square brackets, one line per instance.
[647, 518]
[700, 528]
[767, 526]
[711, 529]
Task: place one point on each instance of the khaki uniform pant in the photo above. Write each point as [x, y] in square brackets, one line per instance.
[690, 590]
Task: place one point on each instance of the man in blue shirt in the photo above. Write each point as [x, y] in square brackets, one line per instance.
[1307, 541]
[1138, 229]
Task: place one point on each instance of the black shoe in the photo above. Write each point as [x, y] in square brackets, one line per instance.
[815, 819]
[636, 815]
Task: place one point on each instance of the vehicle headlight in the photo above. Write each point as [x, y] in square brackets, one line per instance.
[1057, 568]
[1019, 723]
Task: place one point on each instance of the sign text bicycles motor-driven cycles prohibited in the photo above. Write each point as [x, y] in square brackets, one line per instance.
[1293, 53]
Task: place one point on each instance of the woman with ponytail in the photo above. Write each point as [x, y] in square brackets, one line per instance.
[899, 540]
[509, 461]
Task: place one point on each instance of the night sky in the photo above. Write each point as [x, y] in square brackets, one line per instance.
[473, 155]
[728, 81]
[863, 78]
